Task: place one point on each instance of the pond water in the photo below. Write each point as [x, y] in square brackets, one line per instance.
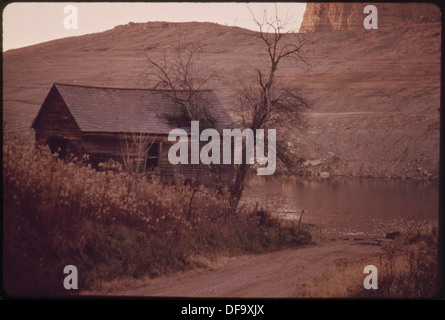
[345, 207]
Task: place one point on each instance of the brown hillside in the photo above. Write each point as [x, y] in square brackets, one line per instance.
[375, 95]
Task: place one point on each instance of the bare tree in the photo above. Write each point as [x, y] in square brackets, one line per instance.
[267, 102]
[183, 78]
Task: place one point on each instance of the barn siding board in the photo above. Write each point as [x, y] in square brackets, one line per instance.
[102, 144]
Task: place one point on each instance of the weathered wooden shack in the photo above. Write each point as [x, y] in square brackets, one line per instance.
[105, 123]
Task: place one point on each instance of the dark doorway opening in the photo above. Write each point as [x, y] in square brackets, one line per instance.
[57, 144]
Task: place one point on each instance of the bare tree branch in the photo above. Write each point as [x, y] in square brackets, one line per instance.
[134, 151]
[184, 80]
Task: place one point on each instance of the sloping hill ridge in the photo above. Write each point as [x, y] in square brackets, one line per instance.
[374, 95]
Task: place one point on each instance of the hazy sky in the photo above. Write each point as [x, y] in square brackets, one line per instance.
[29, 23]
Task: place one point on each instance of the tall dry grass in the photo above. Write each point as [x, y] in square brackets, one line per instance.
[407, 268]
[112, 224]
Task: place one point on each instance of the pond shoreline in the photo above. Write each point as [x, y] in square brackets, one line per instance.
[327, 175]
[340, 206]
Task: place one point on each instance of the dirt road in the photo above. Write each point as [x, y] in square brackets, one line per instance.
[272, 275]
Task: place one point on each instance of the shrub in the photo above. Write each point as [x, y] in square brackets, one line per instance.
[407, 268]
[113, 224]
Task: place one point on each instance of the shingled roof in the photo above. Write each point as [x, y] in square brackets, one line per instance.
[98, 109]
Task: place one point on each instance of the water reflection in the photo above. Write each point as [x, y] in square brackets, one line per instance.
[342, 206]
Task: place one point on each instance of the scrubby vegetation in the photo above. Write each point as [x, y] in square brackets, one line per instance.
[407, 268]
[112, 224]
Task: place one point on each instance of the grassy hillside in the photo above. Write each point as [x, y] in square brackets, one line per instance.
[375, 95]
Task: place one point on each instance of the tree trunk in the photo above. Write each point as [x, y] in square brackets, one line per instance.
[237, 187]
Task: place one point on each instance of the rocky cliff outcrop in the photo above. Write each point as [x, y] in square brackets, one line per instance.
[350, 16]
